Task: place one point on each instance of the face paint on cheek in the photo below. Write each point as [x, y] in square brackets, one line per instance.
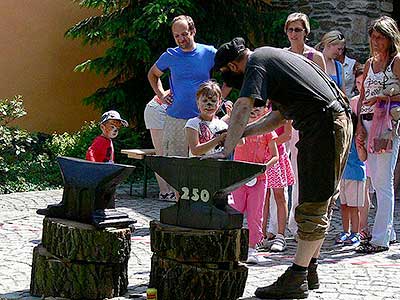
[210, 104]
[113, 132]
[110, 131]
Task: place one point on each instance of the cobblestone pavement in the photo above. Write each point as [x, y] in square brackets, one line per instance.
[344, 274]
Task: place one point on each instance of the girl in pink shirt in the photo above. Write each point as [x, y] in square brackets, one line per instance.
[250, 197]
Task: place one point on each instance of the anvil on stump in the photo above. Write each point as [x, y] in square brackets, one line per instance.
[83, 236]
[199, 242]
[89, 193]
[203, 186]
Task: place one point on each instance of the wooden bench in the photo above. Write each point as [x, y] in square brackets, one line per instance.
[139, 154]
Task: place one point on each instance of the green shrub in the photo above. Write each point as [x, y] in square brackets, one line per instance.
[28, 161]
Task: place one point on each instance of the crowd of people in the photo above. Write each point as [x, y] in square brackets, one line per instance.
[325, 126]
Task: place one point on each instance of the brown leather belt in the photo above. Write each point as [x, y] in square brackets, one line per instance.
[367, 117]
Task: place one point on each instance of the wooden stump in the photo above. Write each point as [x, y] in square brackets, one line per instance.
[198, 245]
[197, 264]
[175, 280]
[79, 261]
[77, 241]
[53, 276]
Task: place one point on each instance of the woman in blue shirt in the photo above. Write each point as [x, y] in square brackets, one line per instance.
[331, 46]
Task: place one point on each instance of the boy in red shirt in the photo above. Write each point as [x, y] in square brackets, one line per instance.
[102, 149]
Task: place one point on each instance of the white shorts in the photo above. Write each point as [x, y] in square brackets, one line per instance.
[174, 138]
[154, 115]
[352, 192]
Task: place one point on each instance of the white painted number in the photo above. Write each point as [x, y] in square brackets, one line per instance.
[185, 193]
[204, 195]
[195, 196]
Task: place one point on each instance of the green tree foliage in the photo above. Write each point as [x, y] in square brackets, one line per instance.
[137, 32]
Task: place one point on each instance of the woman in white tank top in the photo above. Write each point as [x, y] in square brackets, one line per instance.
[381, 70]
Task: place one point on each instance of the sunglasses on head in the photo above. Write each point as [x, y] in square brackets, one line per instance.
[340, 37]
[297, 30]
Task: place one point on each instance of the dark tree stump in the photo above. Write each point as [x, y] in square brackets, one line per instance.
[175, 280]
[75, 241]
[197, 245]
[52, 276]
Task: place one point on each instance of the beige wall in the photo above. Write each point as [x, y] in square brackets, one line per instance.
[37, 62]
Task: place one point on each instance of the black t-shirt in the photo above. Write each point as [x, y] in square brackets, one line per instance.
[296, 86]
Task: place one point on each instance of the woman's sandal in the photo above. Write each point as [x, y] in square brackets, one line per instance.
[368, 248]
[365, 236]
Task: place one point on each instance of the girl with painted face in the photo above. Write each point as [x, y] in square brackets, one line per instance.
[206, 133]
[102, 149]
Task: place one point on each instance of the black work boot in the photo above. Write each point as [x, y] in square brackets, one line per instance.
[291, 284]
[312, 276]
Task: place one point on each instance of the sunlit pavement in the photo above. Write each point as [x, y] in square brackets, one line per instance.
[344, 274]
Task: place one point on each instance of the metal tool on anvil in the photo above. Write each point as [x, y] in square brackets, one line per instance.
[203, 186]
[89, 193]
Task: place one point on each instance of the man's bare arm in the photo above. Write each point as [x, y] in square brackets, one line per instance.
[153, 76]
[238, 121]
[265, 124]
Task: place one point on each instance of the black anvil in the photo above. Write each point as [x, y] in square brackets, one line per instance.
[203, 186]
[89, 193]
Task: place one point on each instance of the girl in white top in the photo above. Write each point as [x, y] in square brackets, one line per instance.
[206, 133]
[382, 69]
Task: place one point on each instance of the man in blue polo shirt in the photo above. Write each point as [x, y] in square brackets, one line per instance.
[190, 64]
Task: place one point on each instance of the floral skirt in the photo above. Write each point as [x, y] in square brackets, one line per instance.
[280, 174]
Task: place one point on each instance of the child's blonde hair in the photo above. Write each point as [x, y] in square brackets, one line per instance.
[333, 37]
[209, 88]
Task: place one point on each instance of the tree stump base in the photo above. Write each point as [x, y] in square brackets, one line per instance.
[77, 241]
[197, 264]
[199, 245]
[78, 261]
[176, 280]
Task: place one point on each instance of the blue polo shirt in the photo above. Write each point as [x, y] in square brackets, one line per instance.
[188, 70]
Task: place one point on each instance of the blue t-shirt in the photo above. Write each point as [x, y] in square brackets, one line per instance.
[355, 168]
[338, 77]
[188, 70]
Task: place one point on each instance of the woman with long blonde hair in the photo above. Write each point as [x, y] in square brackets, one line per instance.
[381, 70]
[332, 45]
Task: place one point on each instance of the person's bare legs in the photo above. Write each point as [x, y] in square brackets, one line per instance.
[345, 217]
[282, 209]
[354, 219]
[307, 250]
[156, 137]
[266, 213]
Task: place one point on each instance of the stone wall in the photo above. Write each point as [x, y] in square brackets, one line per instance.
[351, 17]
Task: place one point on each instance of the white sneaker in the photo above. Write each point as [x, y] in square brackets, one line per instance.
[251, 256]
[265, 244]
[278, 244]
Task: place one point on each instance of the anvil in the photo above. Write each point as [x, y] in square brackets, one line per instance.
[89, 193]
[203, 186]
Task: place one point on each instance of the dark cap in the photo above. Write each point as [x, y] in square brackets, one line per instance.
[228, 52]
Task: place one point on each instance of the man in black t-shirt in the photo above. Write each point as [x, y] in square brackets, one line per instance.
[300, 91]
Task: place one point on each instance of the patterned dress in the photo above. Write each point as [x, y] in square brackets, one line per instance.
[280, 174]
